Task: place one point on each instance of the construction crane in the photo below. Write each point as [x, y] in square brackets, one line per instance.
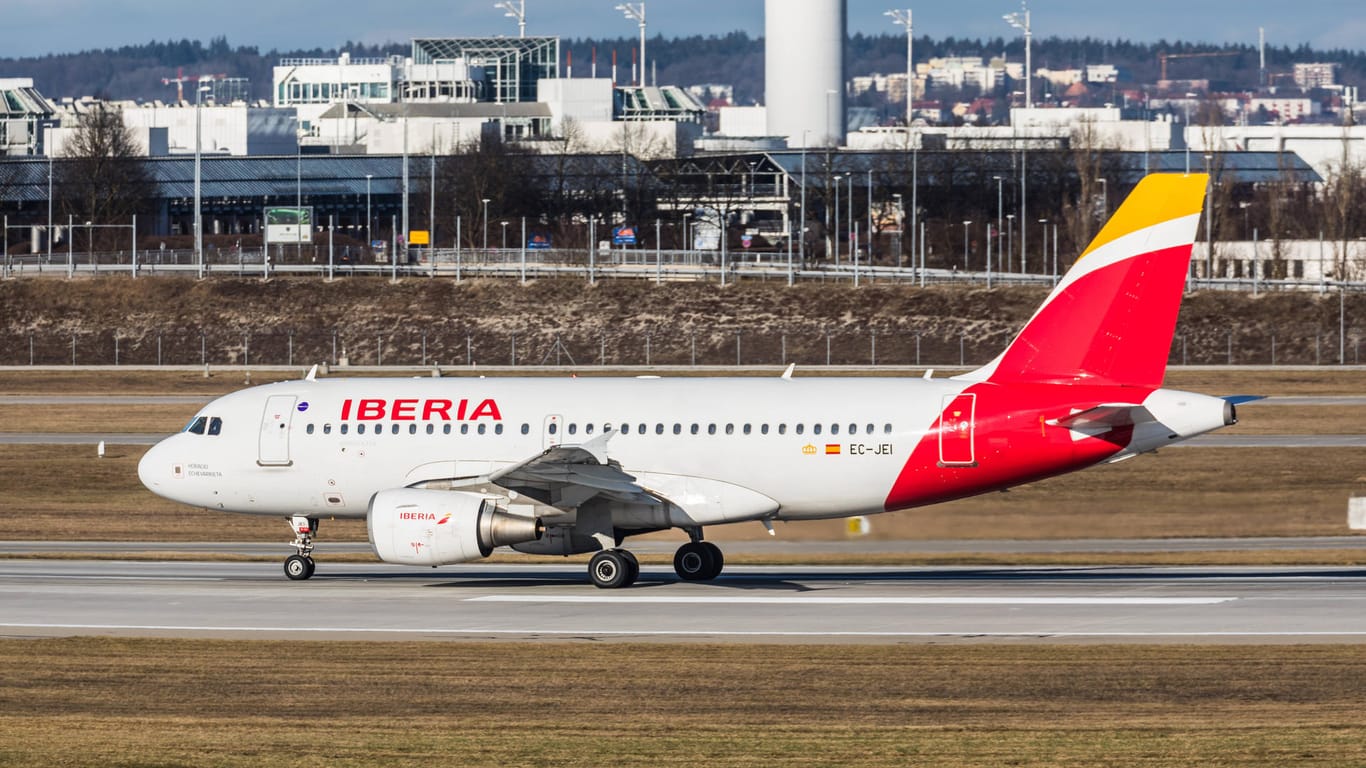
[1164, 57]
[180, 80]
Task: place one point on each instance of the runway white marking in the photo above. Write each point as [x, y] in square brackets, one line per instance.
[658, 632]
[724, 600]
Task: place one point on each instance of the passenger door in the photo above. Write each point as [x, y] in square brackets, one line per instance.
[273, 445]
[956, 443]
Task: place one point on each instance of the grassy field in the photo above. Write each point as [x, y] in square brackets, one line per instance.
[102, 702]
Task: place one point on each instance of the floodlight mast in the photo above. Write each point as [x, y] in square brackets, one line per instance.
[198, 216]
[1020, 21]
[636, 12]
[903, 18]
[514, 11]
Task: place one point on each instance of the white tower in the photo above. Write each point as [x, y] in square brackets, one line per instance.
[804, 63]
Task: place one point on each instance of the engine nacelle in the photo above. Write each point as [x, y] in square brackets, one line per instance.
[422, 527]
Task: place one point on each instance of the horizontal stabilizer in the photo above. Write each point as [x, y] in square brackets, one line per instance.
[1104, 418]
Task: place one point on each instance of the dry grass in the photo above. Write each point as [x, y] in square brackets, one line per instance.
[64, 492]
[101, 702]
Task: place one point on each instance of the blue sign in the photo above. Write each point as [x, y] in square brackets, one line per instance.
[538, 243]
[624, 235]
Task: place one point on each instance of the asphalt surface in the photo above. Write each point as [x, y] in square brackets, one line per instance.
[746, 604]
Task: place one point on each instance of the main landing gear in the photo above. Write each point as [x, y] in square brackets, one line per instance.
[695, 561]
[300, 566]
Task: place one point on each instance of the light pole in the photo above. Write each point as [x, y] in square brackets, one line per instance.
[904, 19]
[486, 223]
[636, 12]
[835, 229]
[1000, 216]
[1185, 132]
[900, 222]
[966, 224]
[849, 221]
[1010, 241]
[829, 133]
[515, 11]
[1044, 263]
[1105, 198]
[1209, 222]
[1020, 21]
[801, 222]
[368, 177]
[505, 235]
[198, 216]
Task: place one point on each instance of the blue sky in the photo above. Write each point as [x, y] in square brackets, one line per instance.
[36, 27]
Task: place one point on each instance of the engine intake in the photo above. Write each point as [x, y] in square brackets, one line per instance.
[424, 527]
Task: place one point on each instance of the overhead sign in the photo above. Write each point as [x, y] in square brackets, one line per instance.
[419, 237]
[538, 242]
[289, 225]
[624, 235]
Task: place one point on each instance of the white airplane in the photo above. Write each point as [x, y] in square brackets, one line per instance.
[447, 469]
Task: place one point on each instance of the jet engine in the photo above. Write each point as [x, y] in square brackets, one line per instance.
[425, 527]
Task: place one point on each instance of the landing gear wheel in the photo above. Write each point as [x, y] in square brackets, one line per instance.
[633, 563]
[298, 567]
[611, 569]
[698, 561]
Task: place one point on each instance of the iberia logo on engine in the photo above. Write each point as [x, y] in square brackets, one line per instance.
[417, 516]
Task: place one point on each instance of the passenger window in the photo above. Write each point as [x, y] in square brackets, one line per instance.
[763, 429]
[626, 429]
[497, 429]
[834, 429]
[801, 428]
[678, 429]
[747, 429]
[412, 429]
[730, 429]
[782, 429]
[853, 429]
[815, 429]
[196, 425]
[870, 429]
[887, 429]
[588, 428]
[345, 426]
[215, 425]
[694, 429]
[711, 429]
[431, 429]
[483, 428]
[659, 429]
[573, 429]
[640, 430]
[309, 429]
[553, 428]
[360, 429]
[464, 429]
[445, 429]
[327, 429]
[393, 429]
[526, 429]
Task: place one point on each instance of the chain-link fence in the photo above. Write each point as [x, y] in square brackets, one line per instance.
[660, 347]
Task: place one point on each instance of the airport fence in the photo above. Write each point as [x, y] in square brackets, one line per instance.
[665, 346]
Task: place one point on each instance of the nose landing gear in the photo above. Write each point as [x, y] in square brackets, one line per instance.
[300, 566]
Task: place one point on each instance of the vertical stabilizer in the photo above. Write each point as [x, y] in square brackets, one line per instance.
[1111, 318]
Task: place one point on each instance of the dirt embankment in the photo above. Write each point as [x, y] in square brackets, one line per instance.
[369, 320]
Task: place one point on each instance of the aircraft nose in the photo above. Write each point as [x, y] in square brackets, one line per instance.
[153, 470]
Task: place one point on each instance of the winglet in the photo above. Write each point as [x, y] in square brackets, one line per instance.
[312, 374]
[787, 375]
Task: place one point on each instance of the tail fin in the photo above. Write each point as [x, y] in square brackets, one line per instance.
[1111, 318]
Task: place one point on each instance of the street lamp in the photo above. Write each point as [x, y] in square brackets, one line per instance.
[1020, 21]
[636, 12]
[368, 176]
[198, 216]
[1010, 241]
[505, 235]
[966, 224]
[1185, 131]
[1000, 216]
[1104, 198]
[904, 19]
[1044, 263]
[515, 11]
[900, 222]
[486, 223]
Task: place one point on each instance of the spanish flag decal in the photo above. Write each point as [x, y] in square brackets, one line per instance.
[832, 449]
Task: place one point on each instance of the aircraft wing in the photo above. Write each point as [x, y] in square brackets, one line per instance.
[568, 475]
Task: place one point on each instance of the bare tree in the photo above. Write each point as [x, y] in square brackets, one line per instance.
[103, 177]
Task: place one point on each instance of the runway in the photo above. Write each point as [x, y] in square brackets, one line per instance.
[747, 604]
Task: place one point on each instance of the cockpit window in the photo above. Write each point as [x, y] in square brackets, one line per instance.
[197, 424]
[215, 425]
